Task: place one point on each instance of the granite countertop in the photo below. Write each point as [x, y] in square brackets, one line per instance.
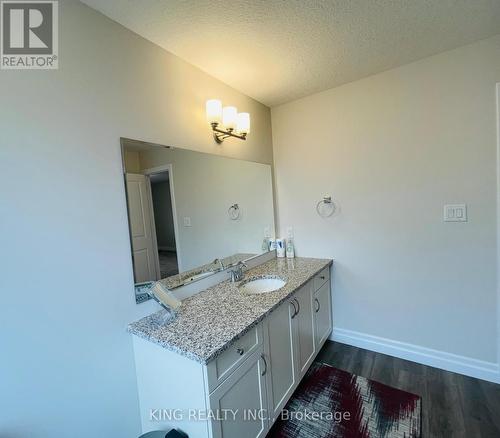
[210, 321]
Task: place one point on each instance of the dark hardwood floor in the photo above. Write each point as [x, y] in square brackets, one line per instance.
[452, 405]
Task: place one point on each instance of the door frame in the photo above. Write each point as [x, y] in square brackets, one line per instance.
[497, 114]
[160, 169]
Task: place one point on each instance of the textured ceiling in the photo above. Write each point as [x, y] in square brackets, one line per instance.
[279, 50]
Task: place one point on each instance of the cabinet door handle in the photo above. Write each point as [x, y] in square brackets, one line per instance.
[319, 305]
[265, 364]
[294, 309]
[322, 277]
[240, 351]
[298, 305]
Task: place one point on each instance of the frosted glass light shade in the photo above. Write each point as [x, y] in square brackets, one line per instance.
[243, 123]
[229, 117]
[214, 111]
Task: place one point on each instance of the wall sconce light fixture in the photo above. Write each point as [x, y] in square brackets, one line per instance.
[227, 122]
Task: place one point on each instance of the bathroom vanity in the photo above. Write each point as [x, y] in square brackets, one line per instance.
[232, 355]
[229, 361]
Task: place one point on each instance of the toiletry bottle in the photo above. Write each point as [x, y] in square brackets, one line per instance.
[280, 248]
[272, 244]
[290, 251]
[265, 244]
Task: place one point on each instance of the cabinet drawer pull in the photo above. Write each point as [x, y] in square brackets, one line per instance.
[240, 351]
[265, 364]
[294, 309]
[298, 305]
[319, 305]
[322, 277]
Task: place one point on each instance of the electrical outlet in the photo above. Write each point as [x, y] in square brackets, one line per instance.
[187, 221]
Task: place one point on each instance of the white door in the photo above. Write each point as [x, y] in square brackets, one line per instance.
[322, 314]
[241, 402]
[305, 323]
[279, 335]
[142, 234]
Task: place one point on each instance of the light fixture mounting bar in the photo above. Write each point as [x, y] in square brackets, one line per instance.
[221, 134]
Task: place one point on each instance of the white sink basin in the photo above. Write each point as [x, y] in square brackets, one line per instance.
[262, 285]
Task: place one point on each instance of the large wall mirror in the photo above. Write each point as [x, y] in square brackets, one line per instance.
[193, 214]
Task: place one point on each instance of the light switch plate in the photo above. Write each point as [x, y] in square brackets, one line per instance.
[187, 221]
[455, 213]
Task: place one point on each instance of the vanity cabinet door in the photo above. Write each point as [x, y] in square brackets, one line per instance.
[305, 328]
[239, 405]
[280, 333]
[322, 314]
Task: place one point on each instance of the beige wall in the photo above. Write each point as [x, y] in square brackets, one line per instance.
[66, 276]
[131, 161]
[393, 149]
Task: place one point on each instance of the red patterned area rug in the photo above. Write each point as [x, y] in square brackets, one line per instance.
[331, 403]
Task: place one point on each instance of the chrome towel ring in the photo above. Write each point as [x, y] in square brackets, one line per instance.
[234, 212]
[326, 207]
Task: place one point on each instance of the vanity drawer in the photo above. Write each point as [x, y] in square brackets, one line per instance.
[322, 277]
[220, 368]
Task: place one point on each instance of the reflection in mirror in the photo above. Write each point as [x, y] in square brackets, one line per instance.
[192, 214]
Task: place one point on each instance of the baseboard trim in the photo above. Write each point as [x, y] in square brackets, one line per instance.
[467, 366]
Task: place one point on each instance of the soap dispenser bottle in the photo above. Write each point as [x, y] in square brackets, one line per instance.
[265, 241]
[290, 250]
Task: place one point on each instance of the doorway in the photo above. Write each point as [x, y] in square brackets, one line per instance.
[163, 213]
[153, 224]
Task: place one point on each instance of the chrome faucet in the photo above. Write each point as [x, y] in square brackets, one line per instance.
[220, 263]
[237, 273]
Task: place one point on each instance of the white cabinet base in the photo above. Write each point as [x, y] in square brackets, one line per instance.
[241, 393]
[171, 387]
